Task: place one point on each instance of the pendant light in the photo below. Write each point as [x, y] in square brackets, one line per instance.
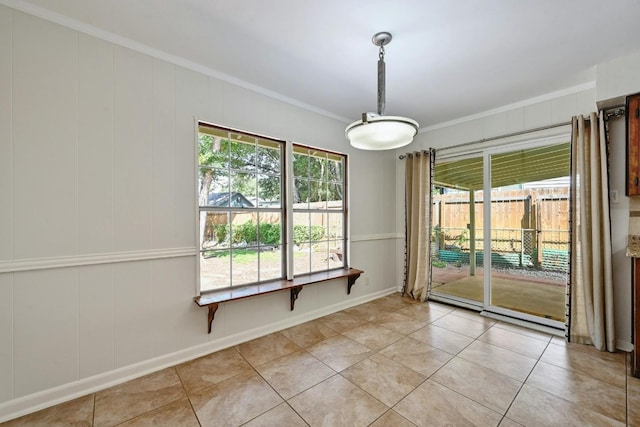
[377, 131]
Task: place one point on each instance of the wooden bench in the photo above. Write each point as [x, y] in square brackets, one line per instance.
[212, 299]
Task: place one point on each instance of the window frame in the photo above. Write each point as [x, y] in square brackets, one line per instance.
[286, 210]
[292, 210]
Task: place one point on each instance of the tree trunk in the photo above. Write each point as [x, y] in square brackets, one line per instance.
[203, 200]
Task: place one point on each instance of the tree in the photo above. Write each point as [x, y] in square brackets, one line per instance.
[245, 167]
[253, 167]
[317, 177]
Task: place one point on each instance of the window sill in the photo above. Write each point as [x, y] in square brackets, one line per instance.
[212, 299]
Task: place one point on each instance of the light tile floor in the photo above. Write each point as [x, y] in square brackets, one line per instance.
[389, 362]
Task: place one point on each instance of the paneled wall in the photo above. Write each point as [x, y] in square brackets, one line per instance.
[97, 213]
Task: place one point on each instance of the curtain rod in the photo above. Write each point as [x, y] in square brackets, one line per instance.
[414, 153]
[615, 112]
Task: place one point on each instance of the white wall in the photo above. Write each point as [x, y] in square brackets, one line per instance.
[616, 79]
[97, 213]
[619, 231]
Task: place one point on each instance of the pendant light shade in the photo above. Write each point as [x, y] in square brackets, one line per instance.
[377, 131]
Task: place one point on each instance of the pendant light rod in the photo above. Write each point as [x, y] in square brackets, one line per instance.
[381, 83]
[381, 39]
[377, 131]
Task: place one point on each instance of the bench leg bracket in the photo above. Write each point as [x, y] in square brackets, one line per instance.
[212, 312]
[294, 295]
[351, 280]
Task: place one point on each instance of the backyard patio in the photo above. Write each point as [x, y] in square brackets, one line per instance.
[528, 291]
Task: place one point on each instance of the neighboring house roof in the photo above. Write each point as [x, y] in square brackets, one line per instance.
[222, 200]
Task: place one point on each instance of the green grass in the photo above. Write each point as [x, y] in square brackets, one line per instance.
[244, 256]
[438, 264]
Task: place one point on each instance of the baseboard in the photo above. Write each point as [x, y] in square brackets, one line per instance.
[44, 399]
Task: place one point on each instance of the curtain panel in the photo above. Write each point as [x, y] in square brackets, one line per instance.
[591, 310]
[418, 189]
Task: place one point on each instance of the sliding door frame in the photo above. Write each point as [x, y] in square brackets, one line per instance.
[486, 152]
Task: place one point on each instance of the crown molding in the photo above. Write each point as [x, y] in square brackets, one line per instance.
[525, 103]
[91, 30]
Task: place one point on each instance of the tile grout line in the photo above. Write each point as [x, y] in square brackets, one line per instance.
[457, 392]
[478, 340]
[628, 373]
[390, 408]
[93, 415]
[339, 373]
[585, 374]
[277, 392]
[186, 393]
[309, 388]
[273, 388]
[525, 380]
[151, 410]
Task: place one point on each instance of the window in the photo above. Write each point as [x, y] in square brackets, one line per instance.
[243, 211]
[241, 208]
[318, 210]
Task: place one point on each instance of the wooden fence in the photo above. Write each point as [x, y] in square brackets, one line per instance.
[522, 221]
[330, 220]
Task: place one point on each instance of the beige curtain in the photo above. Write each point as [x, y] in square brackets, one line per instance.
[591, 319]
[418, 223]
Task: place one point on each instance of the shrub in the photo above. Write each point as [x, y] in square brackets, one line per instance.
[303, 233]
[221, 232]
[269, 233]
[317, 232]
[247, 232]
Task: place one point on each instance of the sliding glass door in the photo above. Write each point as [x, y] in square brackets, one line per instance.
[529, 231]
[500, 231]
[456, 262]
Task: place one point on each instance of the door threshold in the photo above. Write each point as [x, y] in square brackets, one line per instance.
[457, 302]
[558, 332]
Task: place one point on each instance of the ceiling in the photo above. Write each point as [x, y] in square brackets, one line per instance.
[448, 59]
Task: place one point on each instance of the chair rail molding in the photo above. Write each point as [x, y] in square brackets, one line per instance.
[30, 264]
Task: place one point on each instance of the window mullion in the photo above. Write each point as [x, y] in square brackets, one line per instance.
[289, 182]
[229, 215]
